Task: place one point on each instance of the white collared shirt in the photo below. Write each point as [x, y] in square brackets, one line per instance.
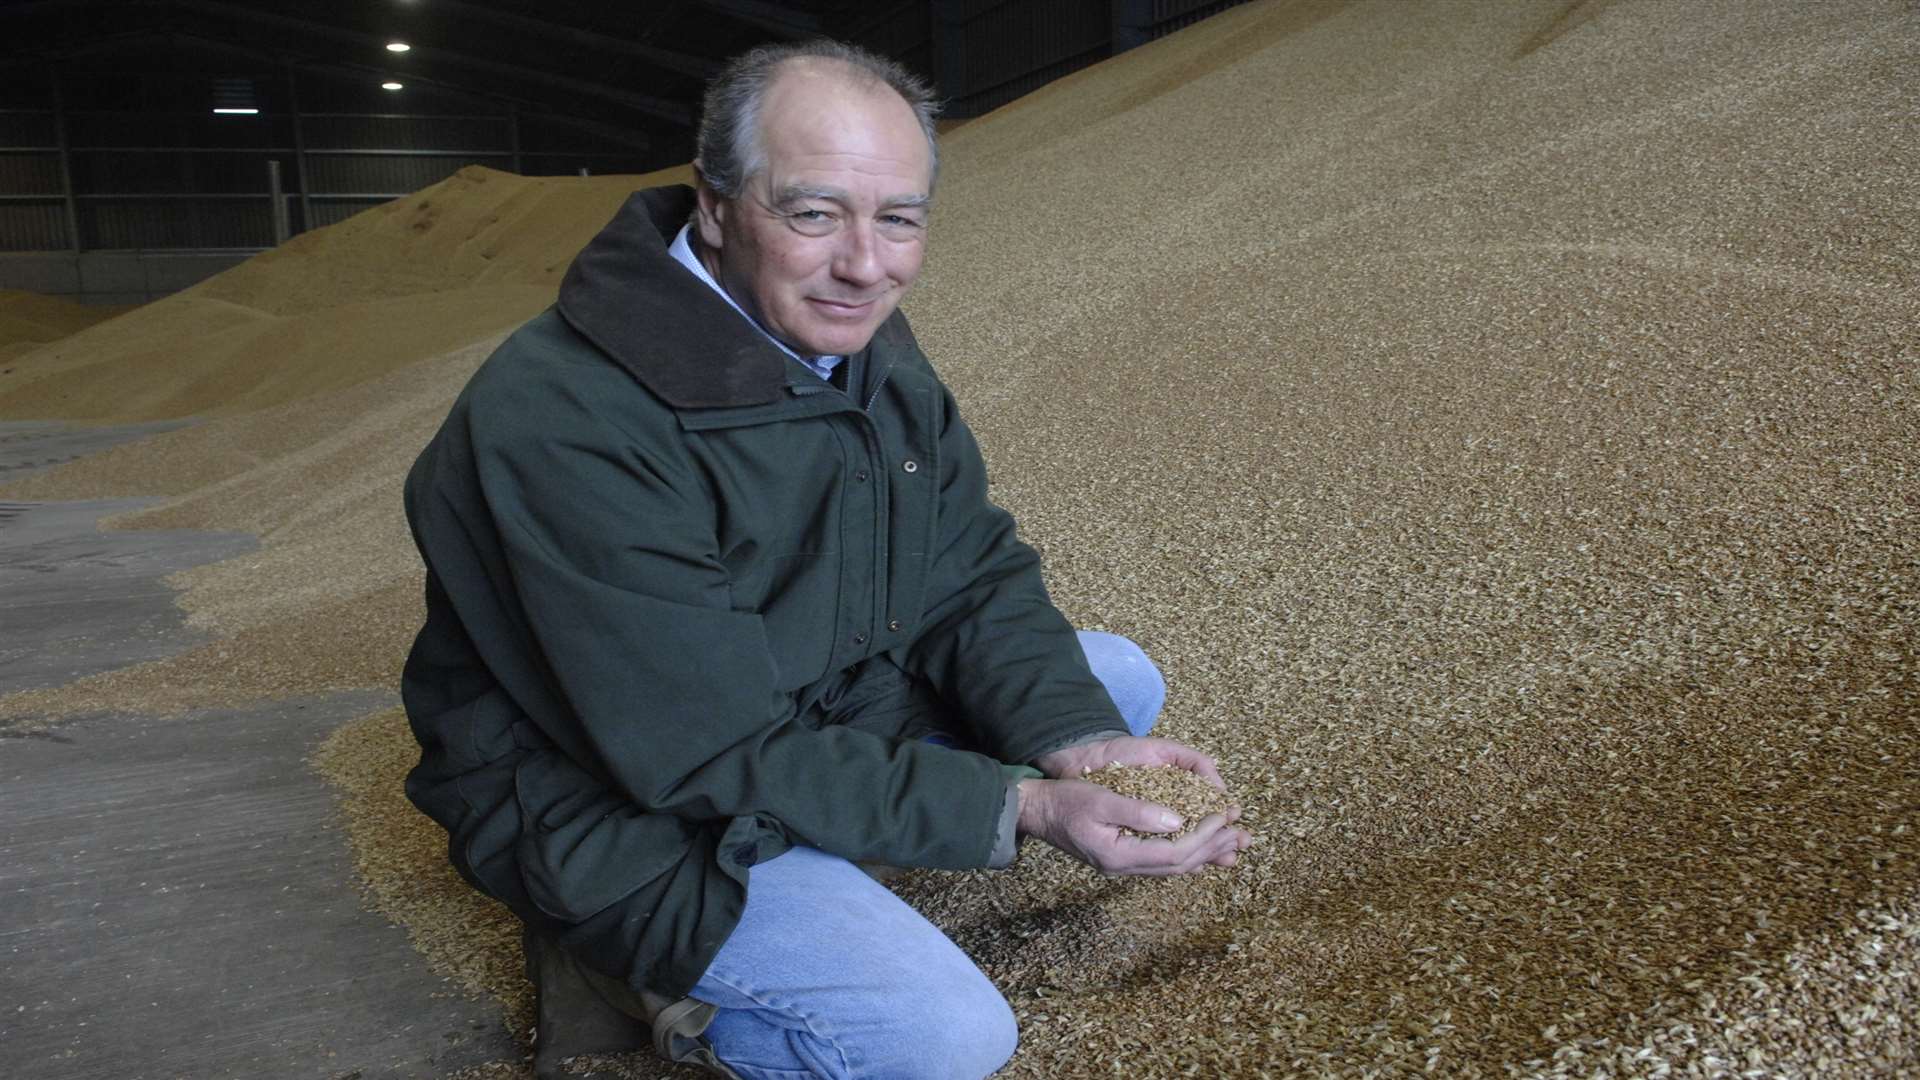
[682, 251]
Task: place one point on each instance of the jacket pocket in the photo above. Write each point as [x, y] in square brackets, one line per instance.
[583, 846]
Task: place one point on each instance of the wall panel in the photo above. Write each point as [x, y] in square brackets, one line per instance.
[33, 226]
[134, 223]
[30, 174]
[1171, 15]
[24, 128]
[392, 132]
[376, 174]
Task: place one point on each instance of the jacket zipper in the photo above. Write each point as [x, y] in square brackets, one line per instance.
[877, 384]
[883, 485]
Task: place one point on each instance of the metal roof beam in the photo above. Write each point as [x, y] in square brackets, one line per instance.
[44, 27]
[698, 67]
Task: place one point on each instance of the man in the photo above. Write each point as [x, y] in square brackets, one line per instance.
[717, 606]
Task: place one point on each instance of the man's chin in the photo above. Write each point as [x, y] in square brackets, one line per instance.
[836, 341]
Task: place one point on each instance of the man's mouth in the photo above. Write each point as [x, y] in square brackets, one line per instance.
[843, 307]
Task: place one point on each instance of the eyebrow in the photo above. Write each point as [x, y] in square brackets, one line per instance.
[796, 192]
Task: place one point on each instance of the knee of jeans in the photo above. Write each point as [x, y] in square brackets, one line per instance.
[1130, 676]
[971, 1039]
[940, 1025]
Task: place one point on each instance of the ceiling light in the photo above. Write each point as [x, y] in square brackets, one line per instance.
[398, 46]
[234, 97]
[390, 85]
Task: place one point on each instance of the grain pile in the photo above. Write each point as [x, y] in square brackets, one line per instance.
[30, 320]
[1499, 419]
[308, 453]
[473, 255]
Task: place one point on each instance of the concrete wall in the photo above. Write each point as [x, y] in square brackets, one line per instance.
[113, 277]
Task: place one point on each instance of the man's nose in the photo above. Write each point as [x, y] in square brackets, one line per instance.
[857, 260]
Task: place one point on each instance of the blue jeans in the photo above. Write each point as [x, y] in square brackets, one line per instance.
[829, 974]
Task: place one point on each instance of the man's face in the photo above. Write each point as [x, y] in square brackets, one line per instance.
[824, 241]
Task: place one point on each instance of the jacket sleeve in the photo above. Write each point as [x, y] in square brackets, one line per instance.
[991, 639]
[607, 541]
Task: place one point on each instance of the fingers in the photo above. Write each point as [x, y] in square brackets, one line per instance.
[1212, 843]
[1085, 820]
[1153, 750]
[1196, 762]
[1239, 841]
[1207, 770]
[1139, 815]
[1072, 761]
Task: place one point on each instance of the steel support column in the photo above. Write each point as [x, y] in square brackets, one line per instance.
[299, 148]
[513, 136]
[279, 196]
[66, 157]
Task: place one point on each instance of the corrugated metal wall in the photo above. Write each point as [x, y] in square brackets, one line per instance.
[990, 52]
[33, 226]
[334, 131]
[30, 174]
[903, 32]
[165, 179]
[33, 214]
[1171, 15]
[375, 174]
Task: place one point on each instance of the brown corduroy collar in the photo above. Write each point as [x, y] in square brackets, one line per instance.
[630, 298]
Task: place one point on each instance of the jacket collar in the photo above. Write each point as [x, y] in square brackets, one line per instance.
[669, 330]
[625, 294]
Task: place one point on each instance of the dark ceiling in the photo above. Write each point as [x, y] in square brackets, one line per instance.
[620, 63]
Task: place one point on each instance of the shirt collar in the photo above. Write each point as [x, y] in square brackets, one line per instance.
[682, 251]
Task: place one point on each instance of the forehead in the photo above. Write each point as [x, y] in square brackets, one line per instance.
[823, 117]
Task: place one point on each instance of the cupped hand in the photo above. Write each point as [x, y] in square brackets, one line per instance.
[1084, 820]
[1076, 761]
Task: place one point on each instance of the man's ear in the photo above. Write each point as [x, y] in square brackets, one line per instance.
[709, 212]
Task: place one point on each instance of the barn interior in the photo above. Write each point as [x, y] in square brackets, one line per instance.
[1499, 419]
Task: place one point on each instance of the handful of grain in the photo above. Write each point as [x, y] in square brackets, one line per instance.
[1178, 790]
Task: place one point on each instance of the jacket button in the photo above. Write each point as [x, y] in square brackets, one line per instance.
[860, 477]
[894, 625]
[859, 639]
[910, 465]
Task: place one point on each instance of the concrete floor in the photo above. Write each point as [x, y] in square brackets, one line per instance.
[176, 898]
[80, 601]
[30, 445]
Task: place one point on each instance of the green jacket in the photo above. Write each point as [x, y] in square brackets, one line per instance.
[688, 605]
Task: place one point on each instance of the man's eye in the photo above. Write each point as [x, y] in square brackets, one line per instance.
[809, 221]
[896, 219]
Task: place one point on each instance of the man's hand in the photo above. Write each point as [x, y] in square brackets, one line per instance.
[1084, 819]
[1076, 761]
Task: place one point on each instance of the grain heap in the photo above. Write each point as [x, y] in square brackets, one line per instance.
[1500, 421]
[29, 320]
[473, 255]
[307, 453]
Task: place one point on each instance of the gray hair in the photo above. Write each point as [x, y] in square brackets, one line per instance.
[729, 148]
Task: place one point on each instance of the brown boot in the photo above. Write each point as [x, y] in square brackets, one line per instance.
[584, 1012]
